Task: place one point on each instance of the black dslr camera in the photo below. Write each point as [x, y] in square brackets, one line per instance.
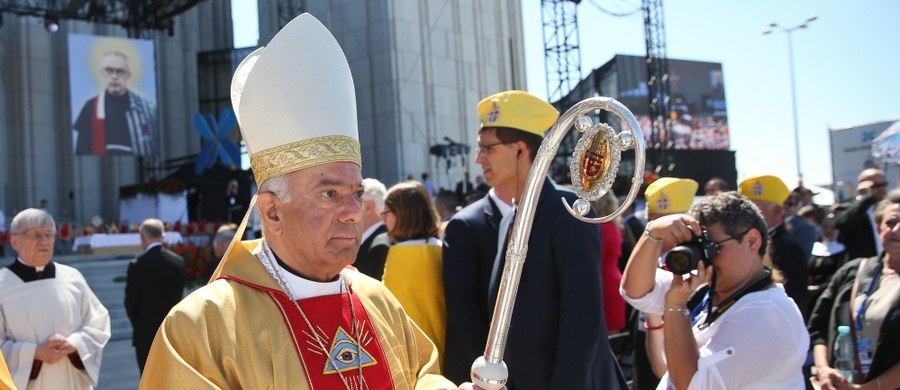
[683, 258]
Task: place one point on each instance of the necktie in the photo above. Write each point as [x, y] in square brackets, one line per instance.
[497, 269]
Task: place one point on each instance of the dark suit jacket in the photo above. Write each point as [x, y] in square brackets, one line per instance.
[155, 284]
[373, 252]
[855, 229]
[557, 337]
[470, 245]
[788, 256]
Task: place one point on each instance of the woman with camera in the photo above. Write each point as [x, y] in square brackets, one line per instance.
[726, 325]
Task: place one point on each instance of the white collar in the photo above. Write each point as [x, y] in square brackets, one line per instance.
[301, 288]
[153, 245]
[369, 231]
[421, 241]
[505, 208]
[39, 268]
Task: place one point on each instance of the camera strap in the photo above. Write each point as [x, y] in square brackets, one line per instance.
[701, 297]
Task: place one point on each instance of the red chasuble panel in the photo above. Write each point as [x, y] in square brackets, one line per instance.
[332, 353]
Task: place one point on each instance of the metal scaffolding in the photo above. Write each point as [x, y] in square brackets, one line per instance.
[562, 55]
[658, 87]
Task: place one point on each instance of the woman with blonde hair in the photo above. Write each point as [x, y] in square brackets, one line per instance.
[412, 270]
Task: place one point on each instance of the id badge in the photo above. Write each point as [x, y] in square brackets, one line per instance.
[866, 348]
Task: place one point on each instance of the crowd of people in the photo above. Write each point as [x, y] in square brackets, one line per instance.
[358, 285]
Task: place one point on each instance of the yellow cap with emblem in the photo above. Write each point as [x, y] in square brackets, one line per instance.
[670, 195]
[518, 110]
[766, 188]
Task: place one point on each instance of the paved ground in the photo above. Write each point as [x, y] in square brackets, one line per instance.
[119, 370]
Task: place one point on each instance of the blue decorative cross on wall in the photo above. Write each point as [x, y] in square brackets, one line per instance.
[217, 142]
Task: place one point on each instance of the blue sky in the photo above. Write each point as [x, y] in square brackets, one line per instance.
[845, 65]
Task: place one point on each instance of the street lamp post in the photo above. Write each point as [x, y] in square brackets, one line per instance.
[788, 31]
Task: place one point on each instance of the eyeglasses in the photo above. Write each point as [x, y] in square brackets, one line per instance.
[891, 223]
[880, 185]
[385, 212]
[738, 238]
[37, 236]
[485, 149]
[115, 71]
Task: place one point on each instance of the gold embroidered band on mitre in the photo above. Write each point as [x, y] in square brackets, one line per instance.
[304, 154]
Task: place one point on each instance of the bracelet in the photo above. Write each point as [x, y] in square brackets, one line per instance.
[658, 327]
[683, 310]
[650, 236]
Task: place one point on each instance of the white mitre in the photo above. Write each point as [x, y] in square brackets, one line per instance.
[295, 101]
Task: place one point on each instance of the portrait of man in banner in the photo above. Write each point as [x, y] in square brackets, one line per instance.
[113, 88]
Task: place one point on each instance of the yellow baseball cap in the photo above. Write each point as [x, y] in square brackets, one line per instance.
[518, 110]
[766, 188]
[670, 195]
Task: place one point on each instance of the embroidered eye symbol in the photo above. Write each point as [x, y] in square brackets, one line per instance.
[346, 355]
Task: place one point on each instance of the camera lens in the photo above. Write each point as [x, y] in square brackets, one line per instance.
[682, 259]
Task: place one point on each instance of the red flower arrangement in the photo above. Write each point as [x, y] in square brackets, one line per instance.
[195, 259]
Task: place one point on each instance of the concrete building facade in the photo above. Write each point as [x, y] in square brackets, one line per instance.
[420, 69]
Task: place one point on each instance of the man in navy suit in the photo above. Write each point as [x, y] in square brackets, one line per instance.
[155, 283]
[375, 241]
[557, 337]
[796, 226]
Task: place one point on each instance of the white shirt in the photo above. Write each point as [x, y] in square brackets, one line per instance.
[505, 209]
[759, 343]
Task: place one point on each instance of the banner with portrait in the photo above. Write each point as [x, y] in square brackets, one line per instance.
[113, 96]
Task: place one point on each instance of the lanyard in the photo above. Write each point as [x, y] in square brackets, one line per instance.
[696, 311]
[713, 312]
[860, 313]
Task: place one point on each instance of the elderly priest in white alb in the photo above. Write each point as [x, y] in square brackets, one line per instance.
[52, 326]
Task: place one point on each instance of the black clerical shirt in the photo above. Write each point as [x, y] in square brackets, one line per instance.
[29, 274]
